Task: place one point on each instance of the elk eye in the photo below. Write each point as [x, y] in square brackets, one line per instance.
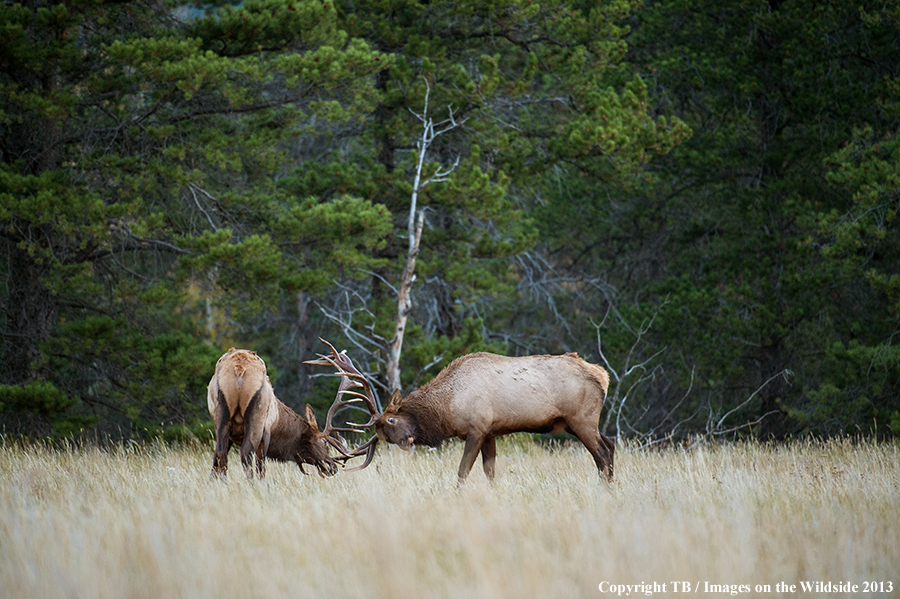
[390, 421]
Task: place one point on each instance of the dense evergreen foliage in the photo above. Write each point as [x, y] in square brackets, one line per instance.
[703, 195]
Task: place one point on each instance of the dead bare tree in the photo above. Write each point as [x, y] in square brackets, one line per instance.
[415, 223]
[715, 424]
[634, 373]
[351, 313]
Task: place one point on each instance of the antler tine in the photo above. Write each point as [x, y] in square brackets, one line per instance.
[345, 365]
[364, 425]
[335, 361]
[338, 404]
[334, 352]
[369, 446]
[340, 447]
[350, 377]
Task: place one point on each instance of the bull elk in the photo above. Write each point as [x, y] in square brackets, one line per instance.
[482, 396]
[246, 412]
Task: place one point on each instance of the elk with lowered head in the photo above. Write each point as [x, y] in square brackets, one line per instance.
[482, 396]
[246, 412]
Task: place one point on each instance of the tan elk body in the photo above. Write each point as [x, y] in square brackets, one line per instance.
[246, 412]
[482, 396]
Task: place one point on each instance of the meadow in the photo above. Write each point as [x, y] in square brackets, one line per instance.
[141, 521]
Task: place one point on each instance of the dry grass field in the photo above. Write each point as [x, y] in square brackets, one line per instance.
[147, 521]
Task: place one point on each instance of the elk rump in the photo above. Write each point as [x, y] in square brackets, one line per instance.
[246, 412]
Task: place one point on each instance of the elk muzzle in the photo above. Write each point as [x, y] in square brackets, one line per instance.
[326, 468]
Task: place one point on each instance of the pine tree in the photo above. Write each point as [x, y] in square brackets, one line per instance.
[752, 220]
[140, 146]
[534, 83]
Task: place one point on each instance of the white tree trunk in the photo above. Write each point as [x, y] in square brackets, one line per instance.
[414, 230]
[404, 304]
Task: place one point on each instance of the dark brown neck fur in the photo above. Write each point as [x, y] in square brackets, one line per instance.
[429, 407]
[288, 436]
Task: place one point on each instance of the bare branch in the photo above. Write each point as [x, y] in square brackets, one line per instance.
[372, 273]
[618, 399]
[164, 244]
[194, 187]
[746, 424]
[785, 373]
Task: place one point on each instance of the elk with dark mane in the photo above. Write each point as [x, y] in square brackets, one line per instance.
[482, 396]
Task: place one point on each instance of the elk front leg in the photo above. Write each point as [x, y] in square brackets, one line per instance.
[489, 456]
[611, 451]
[473, 445]
[600, 446]
[261, 452]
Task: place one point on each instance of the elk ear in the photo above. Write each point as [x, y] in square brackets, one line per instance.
[311, 417]
[394, 404]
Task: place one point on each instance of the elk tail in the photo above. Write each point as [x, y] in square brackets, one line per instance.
[239, 370]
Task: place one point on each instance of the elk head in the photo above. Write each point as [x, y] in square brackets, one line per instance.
[396, 427]
[350, 378]
[316, 452]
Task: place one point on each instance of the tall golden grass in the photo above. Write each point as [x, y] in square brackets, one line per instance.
[140, 521]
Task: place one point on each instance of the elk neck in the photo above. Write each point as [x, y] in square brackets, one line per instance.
[288, 433]
[429, 410]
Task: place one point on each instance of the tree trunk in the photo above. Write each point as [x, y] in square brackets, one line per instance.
[404, 300]
[305, 342]
[30, 316]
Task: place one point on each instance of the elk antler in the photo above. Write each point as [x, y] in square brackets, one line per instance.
[350, 378]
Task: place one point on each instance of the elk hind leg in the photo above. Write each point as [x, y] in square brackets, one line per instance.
[223, 437]
[254, 422]
[599, 445]
[252, 449]
[489, 456]
[220, 457]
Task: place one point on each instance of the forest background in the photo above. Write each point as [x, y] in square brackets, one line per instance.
[701, 196]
